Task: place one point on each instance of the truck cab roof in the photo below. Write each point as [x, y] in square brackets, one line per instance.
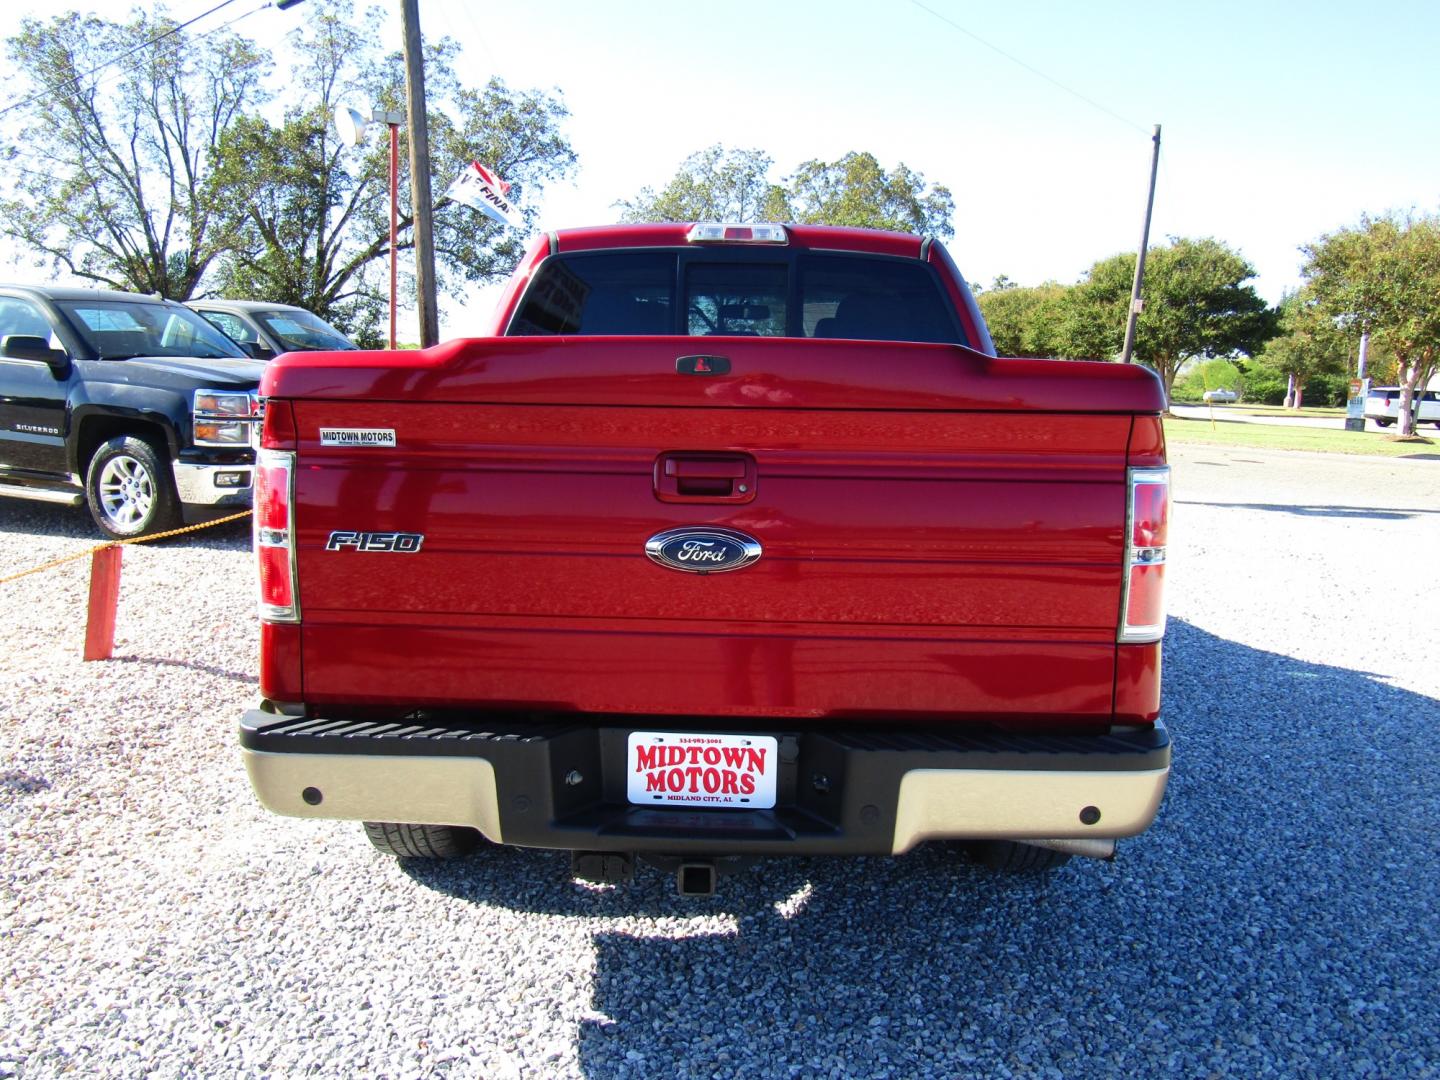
[678, 234]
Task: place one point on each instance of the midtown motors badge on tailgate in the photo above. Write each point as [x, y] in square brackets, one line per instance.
[694, 769]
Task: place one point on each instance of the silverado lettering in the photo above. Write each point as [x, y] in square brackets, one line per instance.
[954, 634]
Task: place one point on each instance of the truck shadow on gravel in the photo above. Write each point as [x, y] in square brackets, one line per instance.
[1278, 918]
[1373, 513]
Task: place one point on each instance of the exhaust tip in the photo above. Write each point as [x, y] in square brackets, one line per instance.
[696, 879]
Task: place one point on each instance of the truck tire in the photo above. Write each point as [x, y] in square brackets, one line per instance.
[1383, 423]
[1013, 856]
[129, 489]
[422, 841]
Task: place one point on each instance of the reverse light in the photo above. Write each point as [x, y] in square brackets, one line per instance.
[1147, 529]
[734, 232]
[275, 536]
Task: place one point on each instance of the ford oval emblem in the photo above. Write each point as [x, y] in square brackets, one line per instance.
[702, 550]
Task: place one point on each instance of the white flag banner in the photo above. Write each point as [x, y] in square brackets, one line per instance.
[480, 189]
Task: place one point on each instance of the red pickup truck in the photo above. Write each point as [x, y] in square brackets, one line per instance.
[725, 541]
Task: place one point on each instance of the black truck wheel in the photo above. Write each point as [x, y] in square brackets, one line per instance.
[1014, 856]
[129, 489]
[422, 841]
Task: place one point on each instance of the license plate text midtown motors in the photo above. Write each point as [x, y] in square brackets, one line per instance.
[693, 769]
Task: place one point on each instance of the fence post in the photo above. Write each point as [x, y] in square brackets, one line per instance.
[104, 600]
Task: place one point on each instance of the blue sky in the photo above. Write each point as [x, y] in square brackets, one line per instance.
[1281, 121]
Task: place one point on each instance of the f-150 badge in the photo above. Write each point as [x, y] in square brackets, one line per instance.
[397, 543]
[701, 550]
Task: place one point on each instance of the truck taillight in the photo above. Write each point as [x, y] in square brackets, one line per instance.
[275, 536]
[1147, 528]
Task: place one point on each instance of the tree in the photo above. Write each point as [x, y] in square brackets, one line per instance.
[1024, 321]
[856, 191]
[716, 184]
[1310, 344]
[713, 184]
[113, 179]
[1383, 276]
[1197, 304]
[312, 215]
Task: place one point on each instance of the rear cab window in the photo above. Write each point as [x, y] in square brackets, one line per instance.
[798, 293]
[872, 299]
[744, 299]
[623, 293]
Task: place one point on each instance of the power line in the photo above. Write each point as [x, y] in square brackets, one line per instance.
[1032, 69]
[232, 22]
[49, 90]
[464, 7]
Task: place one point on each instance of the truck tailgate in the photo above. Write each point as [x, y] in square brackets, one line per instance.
[942, 532]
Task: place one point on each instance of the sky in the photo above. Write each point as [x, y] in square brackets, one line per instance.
[1281, 121]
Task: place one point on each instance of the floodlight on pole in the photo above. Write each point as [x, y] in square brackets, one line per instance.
[350, 124]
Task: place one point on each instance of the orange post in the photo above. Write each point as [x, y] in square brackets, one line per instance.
[104, 600]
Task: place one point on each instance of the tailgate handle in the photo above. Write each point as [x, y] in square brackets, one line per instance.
[685, 476]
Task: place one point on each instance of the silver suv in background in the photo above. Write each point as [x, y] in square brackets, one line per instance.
[266, 330]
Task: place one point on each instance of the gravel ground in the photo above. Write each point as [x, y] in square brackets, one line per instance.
[1279, 920]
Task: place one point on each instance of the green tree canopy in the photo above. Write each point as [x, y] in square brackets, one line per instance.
[716, 184]
[112, 174]
[1024, 321]
[1310, 343]
[857, 191]
[164, 175]
[713, 184]
[1198, 303]
[312, 220]
[1383, 276]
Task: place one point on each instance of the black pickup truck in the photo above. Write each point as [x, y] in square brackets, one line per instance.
[133, 405]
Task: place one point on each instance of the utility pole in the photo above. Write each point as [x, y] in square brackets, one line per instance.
[420, 174]
[1135, 302]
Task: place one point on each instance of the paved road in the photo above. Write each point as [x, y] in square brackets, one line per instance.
[1280, 919]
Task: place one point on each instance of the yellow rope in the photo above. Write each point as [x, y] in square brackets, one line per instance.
[121, 543]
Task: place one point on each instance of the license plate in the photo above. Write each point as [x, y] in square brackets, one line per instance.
[669, 768]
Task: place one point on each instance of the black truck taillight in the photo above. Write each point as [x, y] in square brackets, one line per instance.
[275, 536]
[1147, 529]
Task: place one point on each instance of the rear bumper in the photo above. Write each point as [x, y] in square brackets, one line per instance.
[840, 791]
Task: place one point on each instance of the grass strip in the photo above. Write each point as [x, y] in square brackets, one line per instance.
[1274, 437]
